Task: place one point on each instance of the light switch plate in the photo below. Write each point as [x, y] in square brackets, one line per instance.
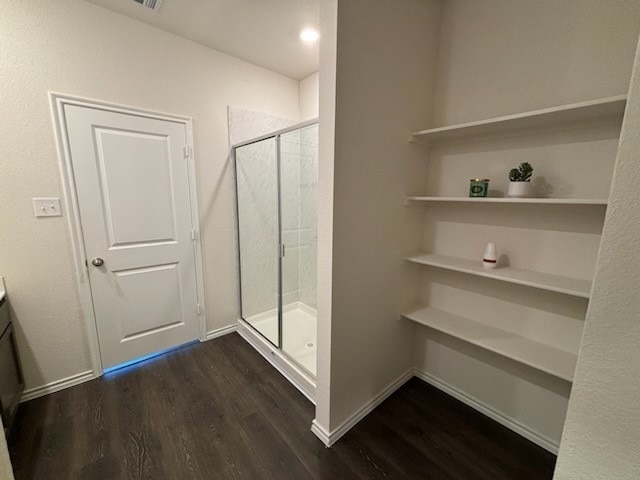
[47, 207]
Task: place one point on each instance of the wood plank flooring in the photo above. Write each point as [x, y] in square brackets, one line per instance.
[218, 410]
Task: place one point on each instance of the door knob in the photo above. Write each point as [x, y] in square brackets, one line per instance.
[97, 262]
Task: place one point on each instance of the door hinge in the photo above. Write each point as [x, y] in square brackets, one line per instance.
[193, 234]
[282, 250]
[187, 151]
[198, 309]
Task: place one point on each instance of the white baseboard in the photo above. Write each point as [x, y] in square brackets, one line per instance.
[56, 386]
[493, 414]
[329, 438]
[82, 377]
[321, 433]
[219, 332]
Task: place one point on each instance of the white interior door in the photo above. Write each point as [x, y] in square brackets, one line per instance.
[132, 183]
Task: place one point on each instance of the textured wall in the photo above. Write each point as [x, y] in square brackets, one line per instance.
[246, 124]
[602, 432]
[74, 47]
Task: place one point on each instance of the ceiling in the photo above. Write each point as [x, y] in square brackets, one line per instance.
[263, 32]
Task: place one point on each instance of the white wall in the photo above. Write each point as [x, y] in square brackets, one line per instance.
[309, 96]
[498, 57]
[78, 48]
[602, 431]
[385, 59]
[326, 157]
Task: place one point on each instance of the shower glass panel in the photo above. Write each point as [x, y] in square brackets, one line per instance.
[298, 181]
[276, 194]
[259, 236]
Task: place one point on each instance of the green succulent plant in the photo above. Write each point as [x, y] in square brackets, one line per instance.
[522, 173]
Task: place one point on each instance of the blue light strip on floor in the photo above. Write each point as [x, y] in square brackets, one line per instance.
[135, 361]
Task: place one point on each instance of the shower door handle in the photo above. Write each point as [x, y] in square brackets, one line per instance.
[282, 250]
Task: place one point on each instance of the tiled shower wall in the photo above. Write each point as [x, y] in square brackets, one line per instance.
[290, 215]
[299, 167]
[308, 215]
[257, 194]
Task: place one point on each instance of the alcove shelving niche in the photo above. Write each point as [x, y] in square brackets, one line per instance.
[531, 308]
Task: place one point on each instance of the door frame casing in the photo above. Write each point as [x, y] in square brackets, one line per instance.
[57, 103]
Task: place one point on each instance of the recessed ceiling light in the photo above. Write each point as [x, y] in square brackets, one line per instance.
[309, 35]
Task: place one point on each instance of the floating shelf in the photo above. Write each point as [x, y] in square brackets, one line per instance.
[560, 116]
[541, 201]
[544, 281]
[535, 354]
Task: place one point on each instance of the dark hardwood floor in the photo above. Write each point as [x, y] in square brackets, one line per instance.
[218, 410]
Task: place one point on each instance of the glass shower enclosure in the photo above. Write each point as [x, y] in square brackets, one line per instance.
[276, 182]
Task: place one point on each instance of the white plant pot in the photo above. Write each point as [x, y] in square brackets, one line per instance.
[519, 189]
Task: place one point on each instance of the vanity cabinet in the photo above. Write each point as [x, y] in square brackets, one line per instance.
[11, 379]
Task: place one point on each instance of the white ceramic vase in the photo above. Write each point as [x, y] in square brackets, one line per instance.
[519, 189]
[490, 257]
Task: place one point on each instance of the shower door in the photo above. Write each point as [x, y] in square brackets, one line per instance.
[259, 236]
[276, 179]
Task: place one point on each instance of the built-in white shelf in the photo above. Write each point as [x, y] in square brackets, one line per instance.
[554, 117]
[535, 354]
[542, 201]
[544, 281]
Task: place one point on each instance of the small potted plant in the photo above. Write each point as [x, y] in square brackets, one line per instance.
[520, 181]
